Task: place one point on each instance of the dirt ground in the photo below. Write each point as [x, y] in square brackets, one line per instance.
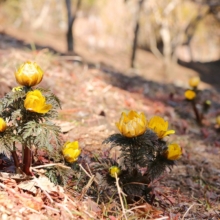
[96, 86]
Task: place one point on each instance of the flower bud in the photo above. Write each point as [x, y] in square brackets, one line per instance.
[36, 102]
[29, 74]
[132, 124]
[173, 152]
[190, 95]
[194, 81]
[71, 151]
[114, 170]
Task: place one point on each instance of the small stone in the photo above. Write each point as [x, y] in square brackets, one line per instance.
[4, 216]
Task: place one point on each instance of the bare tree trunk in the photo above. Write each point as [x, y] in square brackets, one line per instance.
[153, 44]
[136, 32]
[166, 38]
[190, 31]
[71, 20]
[44, 13]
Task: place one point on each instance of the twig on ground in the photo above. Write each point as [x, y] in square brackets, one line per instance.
[52, 164]
[64, 207]
[51, 208]
[45, 192]
[188, 211]
[162, 218]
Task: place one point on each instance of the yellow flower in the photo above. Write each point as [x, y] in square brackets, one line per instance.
[160, 126]
[114, 170]
[71, 151]
[218, 120]
[194, 81]
[17, 88]
[3, 125]
[29, 74]
[173, 152]
[190, 95]
[36, 102]
[133, 124]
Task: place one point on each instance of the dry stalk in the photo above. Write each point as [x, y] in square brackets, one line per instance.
[85, 189]
[89, 175]
[120, 192]
[33, 210]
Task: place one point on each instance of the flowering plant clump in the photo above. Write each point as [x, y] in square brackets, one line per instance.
[144, 154]
[197, 101]
[26, 115]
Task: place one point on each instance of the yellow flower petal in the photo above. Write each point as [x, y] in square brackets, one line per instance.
[169, 132]
[3, 125]
[132, 124]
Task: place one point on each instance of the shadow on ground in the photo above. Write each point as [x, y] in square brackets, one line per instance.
[7, 42]
[163, 92]
[209, 72]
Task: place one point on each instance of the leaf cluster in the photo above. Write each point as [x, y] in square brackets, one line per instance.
[59, 175]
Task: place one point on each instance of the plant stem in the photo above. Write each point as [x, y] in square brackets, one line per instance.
[15, 158]
[27, 161]
[198, 117]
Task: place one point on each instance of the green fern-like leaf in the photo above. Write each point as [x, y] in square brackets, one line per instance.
[16, 115]
[59, 175]
[42, 134]
[12, 99]
[158, 166]
[7, 138]
[137, 151]
[51, 98]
